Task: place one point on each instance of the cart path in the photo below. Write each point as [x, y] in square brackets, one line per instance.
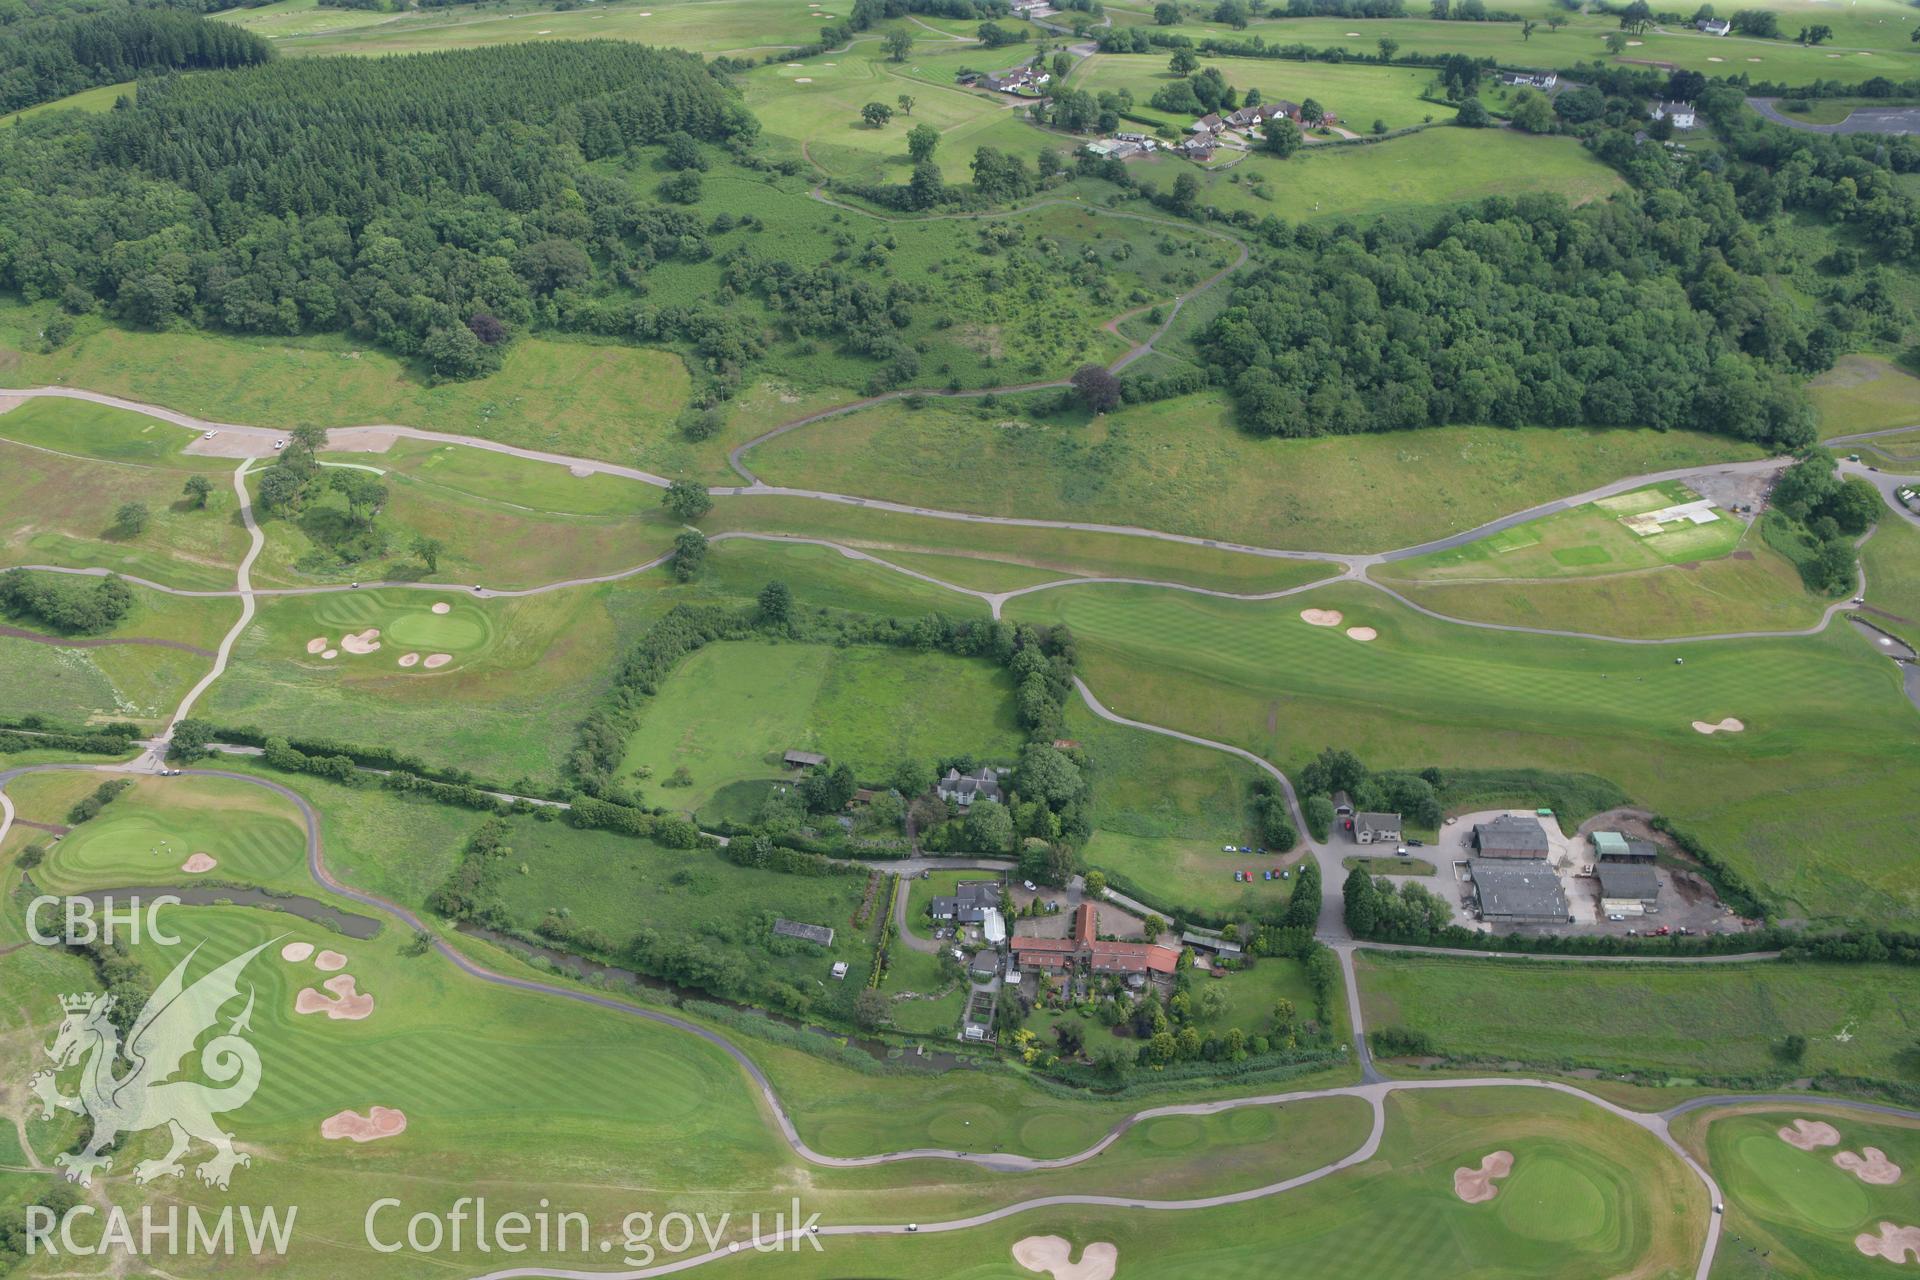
[1373, 1091]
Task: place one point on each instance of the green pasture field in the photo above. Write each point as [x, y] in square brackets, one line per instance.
[1754, 589]
[102, 433]
[704, 26]
[145, 835]
[619, 885]
[1802, 802]
[1357, 94]
[1697, 1020]
[1433, 169]
[284, 18]
[1163, 812]
[1583, 40]
[127, 679]
[1899, 452]
[733, 709]
[1892, 561]
[575, 397]
[1798, 1208]
[922, 1003]
[101, 98]
[1589, 1194]
[505, 544]
[63, 511]
[1865, 393]
[524, 672]
[1059, 552]
[821, 577]
[1181, 466]
[1590, 540]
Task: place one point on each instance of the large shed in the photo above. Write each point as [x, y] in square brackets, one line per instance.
[1511, 835]
[1519, 892]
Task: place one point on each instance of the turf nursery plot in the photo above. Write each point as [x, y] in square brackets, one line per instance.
[495, 686]
[1808, 1212]
[1710, 1020]
[729, 713]
[1800, 803]
[174, 831]
[1182, 466]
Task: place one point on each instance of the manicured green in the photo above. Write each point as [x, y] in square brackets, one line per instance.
[144, 836]
[1799, 1207]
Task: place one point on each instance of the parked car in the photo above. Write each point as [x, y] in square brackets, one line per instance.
[1028, 885]
[1615, 916]
[1401, 852]
[1418, 844]
[1227, 848]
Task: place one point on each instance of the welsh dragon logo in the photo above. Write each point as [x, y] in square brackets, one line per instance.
[146, 1096]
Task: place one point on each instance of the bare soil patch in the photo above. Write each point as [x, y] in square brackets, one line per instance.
[344, 1005]
[198, 863]
[296, 952]
[1728, 725]
[1322, 617]
[437, 660]
[1870, 1165]
[379, 1122]
[329, 962]
[1893, 1243]
[1362, 634]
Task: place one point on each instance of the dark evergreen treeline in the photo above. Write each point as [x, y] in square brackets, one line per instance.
[81, 607]
[430, 203]
[1647, 310]
[50, 57]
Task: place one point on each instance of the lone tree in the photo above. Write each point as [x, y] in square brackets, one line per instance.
[776, 603]
[429, 549]
[905, 103]
[1312, 112]
[1281, 137]
[876, 114]
[1098, 389]
[689, 554]
[1183, 63]
[131, 519]
[687, 500]
[198, 490]
[1387, 49]
[899, 45]
[921, 141]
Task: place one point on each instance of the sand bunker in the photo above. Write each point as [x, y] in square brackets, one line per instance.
[344, 1005]
[1713, 59]
[441, 606]
[1729, 725]
[379, 1122]
[1362, 634]
[329, 962]
[1871, 1166]
[408, 659]
[199, 862]
[1321, 617]
[1636, 42]
[330, 654]
[1808, 1134]
[296, 952]
[1753, 59]
[437, 660]
[803, 79]
[366, 642]
[1053, 1256]
[1893, 1243]
[316, 644]
[1476, 1185]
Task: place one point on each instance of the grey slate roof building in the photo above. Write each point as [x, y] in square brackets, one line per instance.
[1519, 892]
[1375, 828]
[1511, 836]
[803, 759]
[805, 932]
[964, 788]
[1628, 882]
[969, 903]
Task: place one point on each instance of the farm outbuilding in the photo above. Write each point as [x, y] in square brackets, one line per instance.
[1628, 888]
[1519, 892]
[1511, 835]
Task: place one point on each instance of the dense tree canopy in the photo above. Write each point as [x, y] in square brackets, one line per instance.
[46, 58]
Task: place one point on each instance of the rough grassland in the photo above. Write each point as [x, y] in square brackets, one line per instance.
[734, 708]
[706, 26]
[1062, 552]
[1865, 393]
[1436, 168]
[1798, 1209]
[1892, 561]
[524, 673]
[1808, 802]
[1181, 466]
[1710, 1020]
[1357, 94]
[1589, 1195]
[570, 397]
[62, 511]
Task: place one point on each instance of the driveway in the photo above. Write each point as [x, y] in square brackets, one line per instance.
[1863, 119]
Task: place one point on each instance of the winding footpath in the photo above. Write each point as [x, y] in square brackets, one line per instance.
[1374, 1089]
